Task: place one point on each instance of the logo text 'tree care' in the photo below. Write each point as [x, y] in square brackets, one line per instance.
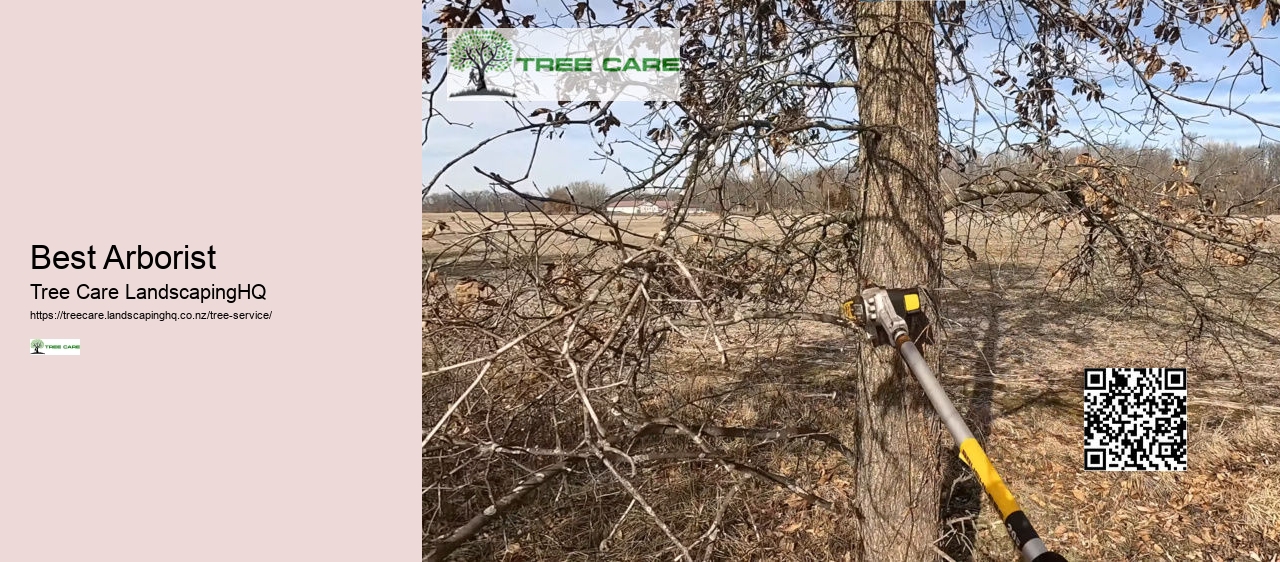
[54, 347]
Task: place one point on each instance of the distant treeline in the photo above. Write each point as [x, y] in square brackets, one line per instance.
[1229, 173]
[568, 198]
[483, 201]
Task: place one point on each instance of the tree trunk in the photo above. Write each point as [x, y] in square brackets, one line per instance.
[898, 436]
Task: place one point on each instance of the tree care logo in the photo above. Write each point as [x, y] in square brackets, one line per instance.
[480, 53]
[54, 347]
[563, 65]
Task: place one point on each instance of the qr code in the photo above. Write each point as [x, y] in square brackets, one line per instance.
[1135, 419]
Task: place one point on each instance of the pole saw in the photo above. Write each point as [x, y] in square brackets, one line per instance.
[894, 317]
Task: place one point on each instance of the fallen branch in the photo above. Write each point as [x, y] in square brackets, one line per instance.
[635, 495]
[668, 427]
[499, 508]
[734, 466]
[771, 315]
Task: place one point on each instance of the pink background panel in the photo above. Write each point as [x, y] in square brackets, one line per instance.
[284, 133]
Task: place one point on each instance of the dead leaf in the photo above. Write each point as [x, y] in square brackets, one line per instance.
[1228, 257]
[1153, 67]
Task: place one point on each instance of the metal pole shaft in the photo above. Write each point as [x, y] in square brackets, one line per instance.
[1020, 530]
[938, 397]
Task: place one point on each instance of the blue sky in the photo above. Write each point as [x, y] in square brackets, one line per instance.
[572, 157]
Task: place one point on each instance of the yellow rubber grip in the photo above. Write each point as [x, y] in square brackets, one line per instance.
[973, 455]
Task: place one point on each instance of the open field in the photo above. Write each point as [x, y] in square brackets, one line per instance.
[635, 229]
[1013, 354]
[638, 229]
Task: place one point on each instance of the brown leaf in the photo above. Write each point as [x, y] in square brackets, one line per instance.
[1229, 258]
[1091, 197]
[1108, 210]
[1153, 67]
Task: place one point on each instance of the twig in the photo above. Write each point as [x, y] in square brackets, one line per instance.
[635, 495]
[499, 508]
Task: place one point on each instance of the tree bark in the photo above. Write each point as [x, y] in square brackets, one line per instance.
[898, 437]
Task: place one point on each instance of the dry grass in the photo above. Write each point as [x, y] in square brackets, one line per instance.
[462, 228]
[1013, 364]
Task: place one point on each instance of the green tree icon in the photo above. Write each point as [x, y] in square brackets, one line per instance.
[480, 51]
[37, 345]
